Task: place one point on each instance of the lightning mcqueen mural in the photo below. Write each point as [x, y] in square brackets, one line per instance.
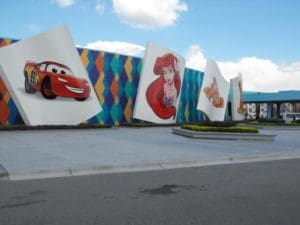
[53, 79]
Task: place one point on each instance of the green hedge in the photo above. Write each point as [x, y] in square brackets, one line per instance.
[216, 123]
[231, 129]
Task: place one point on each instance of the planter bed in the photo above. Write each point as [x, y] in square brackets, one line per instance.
[223, 135]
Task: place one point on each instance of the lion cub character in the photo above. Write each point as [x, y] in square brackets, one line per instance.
[212, 93]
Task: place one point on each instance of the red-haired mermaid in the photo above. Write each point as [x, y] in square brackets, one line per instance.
[162, 93]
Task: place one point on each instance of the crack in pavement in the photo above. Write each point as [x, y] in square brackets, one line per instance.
[27, 203]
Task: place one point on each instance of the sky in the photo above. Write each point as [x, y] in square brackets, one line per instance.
[258, 38]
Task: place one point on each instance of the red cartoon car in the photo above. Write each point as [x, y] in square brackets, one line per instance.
[53, 79]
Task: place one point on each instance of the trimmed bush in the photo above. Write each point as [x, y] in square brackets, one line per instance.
[231, 129]
[216, 123]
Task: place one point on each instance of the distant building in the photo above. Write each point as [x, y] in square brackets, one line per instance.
[271, 105]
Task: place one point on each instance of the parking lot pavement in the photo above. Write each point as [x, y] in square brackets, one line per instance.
[67, 152]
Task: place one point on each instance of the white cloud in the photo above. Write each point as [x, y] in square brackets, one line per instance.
[258, 74]
[65, 3]
[100, 7]
[117, 47]
[149, 14]
[195, 58]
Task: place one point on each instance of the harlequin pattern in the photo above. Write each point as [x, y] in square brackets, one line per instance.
[8, 110]
[115, 79]
[192, 81]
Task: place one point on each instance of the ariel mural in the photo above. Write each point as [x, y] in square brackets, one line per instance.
[162, 93]
[159, 85]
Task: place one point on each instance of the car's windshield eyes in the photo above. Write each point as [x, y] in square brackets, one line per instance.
[52, 68]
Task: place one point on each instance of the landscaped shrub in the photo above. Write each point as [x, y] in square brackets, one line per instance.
[217, 123]
[231, 129]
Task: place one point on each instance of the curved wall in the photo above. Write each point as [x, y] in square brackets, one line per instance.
[115, 78]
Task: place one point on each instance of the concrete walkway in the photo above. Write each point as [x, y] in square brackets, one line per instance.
[52, 153]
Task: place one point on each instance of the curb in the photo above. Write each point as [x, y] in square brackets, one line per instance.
[223, 135]
[67, 172]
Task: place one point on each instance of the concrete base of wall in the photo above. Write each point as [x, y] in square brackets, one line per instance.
[223, 135]
[275, 127]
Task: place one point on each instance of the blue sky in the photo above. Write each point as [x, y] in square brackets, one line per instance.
[228, 31]
[225, 29]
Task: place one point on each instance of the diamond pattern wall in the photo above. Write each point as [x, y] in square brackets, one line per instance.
[115, 79]
[8, 111]
[192, 81]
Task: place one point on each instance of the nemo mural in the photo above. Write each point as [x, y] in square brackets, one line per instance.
[213, 95]
[162, 93]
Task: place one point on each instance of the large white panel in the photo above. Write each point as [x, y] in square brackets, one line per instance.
[238, 109]
[57, 50]
[213, 95]
[160, 85]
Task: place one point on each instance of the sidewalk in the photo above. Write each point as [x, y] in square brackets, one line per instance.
[52, 153]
